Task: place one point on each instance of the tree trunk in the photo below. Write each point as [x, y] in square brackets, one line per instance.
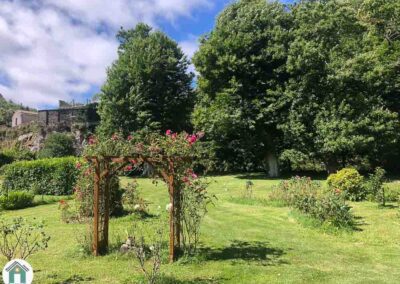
[272, 164]
[332, 166]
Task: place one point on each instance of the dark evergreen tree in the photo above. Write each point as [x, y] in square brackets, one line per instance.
[148, 86]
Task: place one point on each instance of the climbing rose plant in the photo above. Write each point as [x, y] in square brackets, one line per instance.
[170, 157]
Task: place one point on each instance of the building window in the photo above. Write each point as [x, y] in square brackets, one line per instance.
[16, 121]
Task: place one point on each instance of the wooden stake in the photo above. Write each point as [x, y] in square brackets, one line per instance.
[96, 200]
[107, 178]
[172, 252]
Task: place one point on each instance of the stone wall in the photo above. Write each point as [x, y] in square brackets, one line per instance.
[68, 117]
[21, 117]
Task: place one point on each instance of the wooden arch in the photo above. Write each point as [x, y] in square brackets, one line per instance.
[104, 170]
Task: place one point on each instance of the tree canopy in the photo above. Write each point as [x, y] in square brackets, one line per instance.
[242, 70]
[316, 81]
[148, 86]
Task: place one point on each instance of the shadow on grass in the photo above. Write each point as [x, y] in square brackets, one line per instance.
[73, 279]
[264, 176]
[359, 222]
[388, 206]
[171, 280]
[240, 251]
[142, 215]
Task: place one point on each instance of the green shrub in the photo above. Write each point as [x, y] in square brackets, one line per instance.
[57, 145]
[9, 156]
[350, 182]
[392, 194]
[308, 197]
[375, 186]
[55, 176]
[16, 200]
[5, 159]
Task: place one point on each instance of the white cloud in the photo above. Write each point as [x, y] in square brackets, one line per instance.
[189, 47]
[59, 49]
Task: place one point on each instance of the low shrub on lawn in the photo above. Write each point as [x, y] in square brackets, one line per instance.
[55, 176]
[16, 200]
[350, 182]
[392, 194]
[309, 198]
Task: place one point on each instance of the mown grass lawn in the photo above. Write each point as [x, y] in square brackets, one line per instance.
[241, 243]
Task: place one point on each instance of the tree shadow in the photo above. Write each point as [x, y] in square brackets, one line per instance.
[264, 176]
[172, 280]
[73, 279]
[141, 215]
[358, 223]
[387, 206]
[242, 251]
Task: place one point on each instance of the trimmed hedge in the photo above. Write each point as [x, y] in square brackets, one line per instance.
[55, 176]
[16, 200]
[9, 156]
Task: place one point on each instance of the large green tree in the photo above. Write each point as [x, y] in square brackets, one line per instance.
[316, 82]
[242, 70]
[148, 86]
[342, 94]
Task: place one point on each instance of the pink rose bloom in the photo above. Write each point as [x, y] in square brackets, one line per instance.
[192, 139]
[130, 137]
[114, 137]
[168, 132]
[128, 168]
[174, 135]
[194, 176]
[91, 140]
[78, 165]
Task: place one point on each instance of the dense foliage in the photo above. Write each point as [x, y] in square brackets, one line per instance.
[16, 200]
[316, 83]
[148, 86]
[350, 182]
[55, 176]
[57, 145]
[242, 68]
[309, 198]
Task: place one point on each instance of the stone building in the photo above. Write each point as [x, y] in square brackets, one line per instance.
[21, 117]
[68, 116]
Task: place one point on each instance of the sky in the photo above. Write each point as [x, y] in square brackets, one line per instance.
[53, 50]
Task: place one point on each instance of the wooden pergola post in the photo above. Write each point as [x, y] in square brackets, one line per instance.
[100, 243]
[96, 201]
[107, 179]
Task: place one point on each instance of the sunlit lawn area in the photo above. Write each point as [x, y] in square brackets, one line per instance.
[241, 243]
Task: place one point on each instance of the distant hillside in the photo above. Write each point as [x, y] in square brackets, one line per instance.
[7, 109]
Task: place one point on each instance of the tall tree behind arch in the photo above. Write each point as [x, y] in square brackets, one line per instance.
[148, 86]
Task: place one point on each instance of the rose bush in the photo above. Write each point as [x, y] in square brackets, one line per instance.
[307, 196]
[171, 158]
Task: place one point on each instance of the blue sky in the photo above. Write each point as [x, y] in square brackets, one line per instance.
[54, 50]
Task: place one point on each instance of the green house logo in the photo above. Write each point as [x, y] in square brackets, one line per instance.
[17, 271]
